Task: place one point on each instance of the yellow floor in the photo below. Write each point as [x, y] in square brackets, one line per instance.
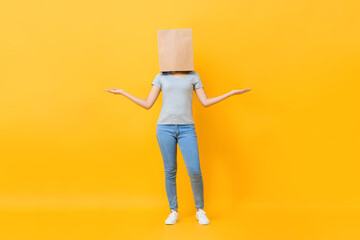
[249, 221]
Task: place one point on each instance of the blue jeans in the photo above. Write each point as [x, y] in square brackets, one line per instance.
[168, 135]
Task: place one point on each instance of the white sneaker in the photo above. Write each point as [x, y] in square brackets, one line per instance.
[201, 217]
[172, 218]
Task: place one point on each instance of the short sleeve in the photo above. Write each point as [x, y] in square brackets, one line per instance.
[198, 83]
[157, 81]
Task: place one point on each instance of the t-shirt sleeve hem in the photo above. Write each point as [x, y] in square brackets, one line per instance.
[156, 84]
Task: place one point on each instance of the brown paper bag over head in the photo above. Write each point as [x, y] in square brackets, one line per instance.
[175, 50]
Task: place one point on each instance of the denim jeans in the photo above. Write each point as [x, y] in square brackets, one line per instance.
[168, 135]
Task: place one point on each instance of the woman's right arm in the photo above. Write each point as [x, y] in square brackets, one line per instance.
[145, 103]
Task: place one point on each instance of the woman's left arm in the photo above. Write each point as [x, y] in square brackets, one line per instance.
[206, 102]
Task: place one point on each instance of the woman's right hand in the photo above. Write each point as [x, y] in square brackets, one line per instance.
[234, 92]
[145, 103]
[116, 91]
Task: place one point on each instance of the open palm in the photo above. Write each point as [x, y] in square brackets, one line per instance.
[240, 91]
[116, 91]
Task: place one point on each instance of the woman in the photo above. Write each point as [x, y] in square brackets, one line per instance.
[176, 125]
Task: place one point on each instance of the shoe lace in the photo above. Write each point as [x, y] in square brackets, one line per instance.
[201, 213]
[173, 213]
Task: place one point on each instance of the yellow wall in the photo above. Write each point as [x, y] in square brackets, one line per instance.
[291, 140]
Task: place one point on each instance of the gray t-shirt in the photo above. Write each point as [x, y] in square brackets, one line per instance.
[177, 96]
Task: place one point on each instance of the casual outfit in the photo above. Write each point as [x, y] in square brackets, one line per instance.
[175, 125]
[177, 96]
[185, 135]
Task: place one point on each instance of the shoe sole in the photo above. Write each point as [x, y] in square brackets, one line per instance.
[204, 223]
[172, 223]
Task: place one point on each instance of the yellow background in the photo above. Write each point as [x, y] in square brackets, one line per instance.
[290, 143]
